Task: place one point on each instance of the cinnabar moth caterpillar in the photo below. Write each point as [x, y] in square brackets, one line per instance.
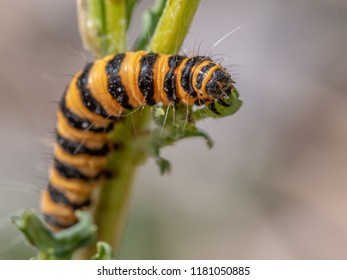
[92, 104]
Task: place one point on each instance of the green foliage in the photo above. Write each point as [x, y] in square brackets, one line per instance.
[233, 105]
[56, 245]
[172, 125]
[104, 251]
[178, 123]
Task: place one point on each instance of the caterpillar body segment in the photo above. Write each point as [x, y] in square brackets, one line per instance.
[94, 102]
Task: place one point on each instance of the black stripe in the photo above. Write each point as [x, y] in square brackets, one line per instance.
[53, 221]
[86, 96]
[213, 108]
[170, 78]
[145, 80]
[80, 123]
[187, 74]
[59, 197]
[175, 60]
[115, 86]
[221, 102]
[200, 77]
[200, 102]
[76, 148]
[70, 172]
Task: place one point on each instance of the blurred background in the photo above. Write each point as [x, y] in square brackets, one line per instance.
[273, 187]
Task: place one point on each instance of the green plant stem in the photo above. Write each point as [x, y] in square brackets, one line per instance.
[114, 199]
[173, 26]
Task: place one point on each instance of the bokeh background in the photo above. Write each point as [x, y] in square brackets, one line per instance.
[275, 184]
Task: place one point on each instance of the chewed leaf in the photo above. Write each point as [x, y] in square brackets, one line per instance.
[172, 126]
[176, 123]
[220, 108]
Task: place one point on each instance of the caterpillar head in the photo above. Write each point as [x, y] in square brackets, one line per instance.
[220, 85]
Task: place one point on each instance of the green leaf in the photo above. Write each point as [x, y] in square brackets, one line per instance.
[172, 126]
[231, 104]
[103, 251]
[56, 245]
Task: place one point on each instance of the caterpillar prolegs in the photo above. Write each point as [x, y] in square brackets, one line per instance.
[94, 101]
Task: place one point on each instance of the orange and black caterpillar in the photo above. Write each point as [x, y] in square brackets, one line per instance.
[92, 104]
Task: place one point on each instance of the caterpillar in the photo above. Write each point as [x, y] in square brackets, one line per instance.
[94, 101]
